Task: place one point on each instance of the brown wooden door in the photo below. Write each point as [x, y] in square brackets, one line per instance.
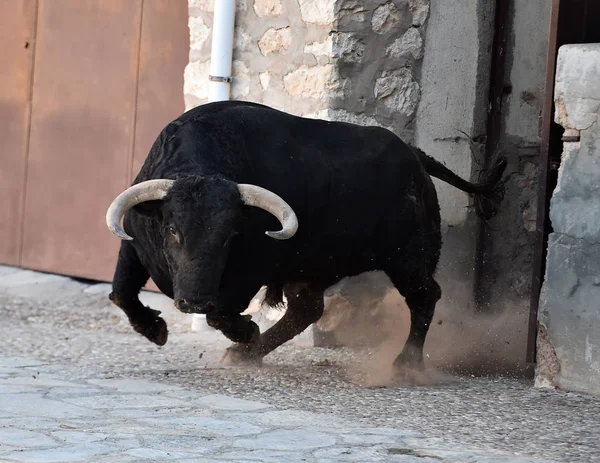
[108, 75]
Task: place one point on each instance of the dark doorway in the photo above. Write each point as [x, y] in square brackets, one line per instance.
[572, 21]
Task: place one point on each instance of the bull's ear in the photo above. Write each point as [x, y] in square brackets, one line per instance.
[150, 209]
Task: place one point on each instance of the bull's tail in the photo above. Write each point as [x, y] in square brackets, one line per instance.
[488, 193]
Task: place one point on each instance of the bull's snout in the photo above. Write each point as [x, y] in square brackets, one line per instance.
[190, 306]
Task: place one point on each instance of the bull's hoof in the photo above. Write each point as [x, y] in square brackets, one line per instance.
[241, 355]
[410, 358]
[153, 329]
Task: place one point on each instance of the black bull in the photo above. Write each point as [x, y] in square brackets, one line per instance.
[362, 198]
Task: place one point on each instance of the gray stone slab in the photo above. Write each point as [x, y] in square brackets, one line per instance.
[223, 402]
[84, 452]
[113, 401]
[153, 454]
[368, 439]
[369, 453]
[4, 389]
[101, 288]
[33, 423]
[32, 404]
[288, 440]
[28, 277]
[140, 386]
[7, 270]
[79, 437]
[15, 362]
[166, 413]
[25, 438]
[187, 444]
[292, 418]
[39, 381]
[62, 392]
[203, 425]
[266, 456]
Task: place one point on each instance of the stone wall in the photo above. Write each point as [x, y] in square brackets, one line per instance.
[569, 317]
[346, 60]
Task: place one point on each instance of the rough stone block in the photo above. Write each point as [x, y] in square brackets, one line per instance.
[385, 18]
[317, 11]
[275, 40]
[410, 44]
[569, 311]
[267, 8]
[398, 91]
[309, 82]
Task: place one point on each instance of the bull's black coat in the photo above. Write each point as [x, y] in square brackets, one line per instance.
[364, 201]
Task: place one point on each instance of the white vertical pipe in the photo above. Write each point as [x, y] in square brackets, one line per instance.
[219, 85]
[222, 50]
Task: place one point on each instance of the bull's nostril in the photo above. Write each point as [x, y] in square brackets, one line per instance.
[195, 306]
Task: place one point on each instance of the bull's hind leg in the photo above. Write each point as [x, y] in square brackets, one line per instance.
[421, 292]
[130, 277]
[304, 308]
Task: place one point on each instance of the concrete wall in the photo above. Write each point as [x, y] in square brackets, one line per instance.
[569, 317]
[511, 244]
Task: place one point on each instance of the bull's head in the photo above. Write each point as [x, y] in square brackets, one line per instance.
[198, 217]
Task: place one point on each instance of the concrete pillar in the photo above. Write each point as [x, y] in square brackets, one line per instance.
[569, 315]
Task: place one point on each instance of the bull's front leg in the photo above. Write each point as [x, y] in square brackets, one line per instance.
[235, 327]
[130, 277]
[304, 308]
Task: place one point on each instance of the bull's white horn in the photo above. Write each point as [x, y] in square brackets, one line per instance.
[149, 190]
[256, 196]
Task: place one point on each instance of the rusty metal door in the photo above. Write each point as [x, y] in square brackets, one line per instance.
[17, 29]
[108, 75]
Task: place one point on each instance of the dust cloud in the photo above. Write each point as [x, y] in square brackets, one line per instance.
[460, 342]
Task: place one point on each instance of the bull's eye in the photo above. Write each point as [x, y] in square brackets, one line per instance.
[174, 233]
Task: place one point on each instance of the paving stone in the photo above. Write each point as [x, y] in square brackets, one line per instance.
[100, 288]
[288, 440]
[6, 270]
[155, 454]
[18, 362]
[25, 438]
[83, 452]
[165, 413]
[291, 419]
[266, 456]
[38, 381]
[28, 277]
[368, 439]
[200, 424]
[4, 389]
[222, 402]
[384, 432]
[39, 423]
[193, 443]
[126, 401]
[79, 437]
[37, 406]
[80, 391]
[140, 386]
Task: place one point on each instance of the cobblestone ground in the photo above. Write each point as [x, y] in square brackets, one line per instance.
[76, 384]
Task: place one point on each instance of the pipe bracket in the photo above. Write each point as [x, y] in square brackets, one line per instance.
[219, 79]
